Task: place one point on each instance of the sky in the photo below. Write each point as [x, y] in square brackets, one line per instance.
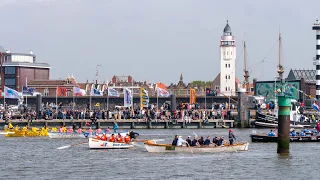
[156, 40]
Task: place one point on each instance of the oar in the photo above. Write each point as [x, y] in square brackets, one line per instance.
[189, 147]
[68, 146]
[5, 133]
[195, 134]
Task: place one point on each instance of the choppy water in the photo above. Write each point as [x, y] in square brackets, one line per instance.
[38, 158]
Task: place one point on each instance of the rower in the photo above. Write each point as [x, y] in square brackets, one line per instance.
[293, 133]
[25, 128]
[207, 141]
[104, 137]
[108, 130]
[174, 142]
[127, 139]
[180, 141]
[119, 138]
[97, 137]
[271, 133]
[111, 138]
[61, 130]
[70, 130]
[194, 141]
[188, 140]
[201, 141]
[79, 131]
[98, 131]
[215, 140]
[17, 128]
[10, 125]
[64, 129]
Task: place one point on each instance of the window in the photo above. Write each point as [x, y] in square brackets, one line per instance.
[227, 52]
[224, 53]
[226, 77]
[226, 65]
[10, 82]
[229, 77]
[231, 53]
[229, 65]
[226, 89]
[229, 88]
[46, 92]
[217, 87]
[10, 70]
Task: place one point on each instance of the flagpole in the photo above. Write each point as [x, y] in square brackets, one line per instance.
[107, 98]
[73, 98]
[90, 101]
[157, 100]
[132, 94]
[205, 98]
[27, 89]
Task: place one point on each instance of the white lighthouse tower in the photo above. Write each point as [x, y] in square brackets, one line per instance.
[228, 62]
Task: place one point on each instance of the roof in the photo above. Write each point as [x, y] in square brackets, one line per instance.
[25, 64]
[227, 29]
[307, 75]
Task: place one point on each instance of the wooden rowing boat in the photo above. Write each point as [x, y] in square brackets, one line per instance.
[152, 146]
[99, 144]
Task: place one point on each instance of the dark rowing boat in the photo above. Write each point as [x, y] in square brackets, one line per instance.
[266, 138]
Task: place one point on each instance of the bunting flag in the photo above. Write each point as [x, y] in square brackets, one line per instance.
[78, 91]
[127, 97]
[162, 93]
[210, 92]
[95, 92]
[61, 91]
[10, 93]
[113, 93]
[316, 106]
[144, 98]
[27, 90]
[192, 96]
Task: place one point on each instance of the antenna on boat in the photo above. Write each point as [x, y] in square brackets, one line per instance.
[280, 67]
[246, 72]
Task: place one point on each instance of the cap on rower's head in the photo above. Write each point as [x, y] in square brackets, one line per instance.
[230, 130]
[188, 136]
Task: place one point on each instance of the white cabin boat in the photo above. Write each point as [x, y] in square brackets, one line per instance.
[99, 144]
[152, 146]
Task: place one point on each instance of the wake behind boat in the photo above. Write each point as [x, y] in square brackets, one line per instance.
[152, 146]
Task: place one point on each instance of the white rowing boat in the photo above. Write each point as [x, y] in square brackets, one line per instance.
[99, 144]
[58, 135]
[152, 146]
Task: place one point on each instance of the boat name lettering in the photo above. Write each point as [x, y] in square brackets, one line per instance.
[170, 148]
[118, 144]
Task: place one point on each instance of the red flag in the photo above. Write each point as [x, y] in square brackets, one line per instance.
[61, 91]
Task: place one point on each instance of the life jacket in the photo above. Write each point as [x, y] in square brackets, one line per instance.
[97, 137]
[70, 130]
[119, 138]
[111, 139]
[60, 130]
[127, 139]
[10, 126]
[104, 138]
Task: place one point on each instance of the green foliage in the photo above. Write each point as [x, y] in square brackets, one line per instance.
[200, 83]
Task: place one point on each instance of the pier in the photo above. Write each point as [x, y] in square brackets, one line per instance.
[128, 124]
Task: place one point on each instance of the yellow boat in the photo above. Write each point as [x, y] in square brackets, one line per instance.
[34, 132]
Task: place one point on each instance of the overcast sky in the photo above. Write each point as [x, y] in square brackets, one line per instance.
[156, 40]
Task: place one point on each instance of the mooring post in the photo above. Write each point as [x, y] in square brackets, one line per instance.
[283, 124]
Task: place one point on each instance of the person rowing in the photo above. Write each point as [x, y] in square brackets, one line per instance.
[127, 139]
[232, 137]
[119, 138]
[188, 140]
[104, 137]
[133, 135]
[79, 131]
[194, 142]
[97, 137]
[207, 142]
[112, 138]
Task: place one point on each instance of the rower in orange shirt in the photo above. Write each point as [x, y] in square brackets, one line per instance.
[111, 138]
[97, 137]
[127, 139]
[119, 138]
[104, 137]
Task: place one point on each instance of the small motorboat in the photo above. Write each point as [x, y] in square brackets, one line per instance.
[99, 144]
[152, 146]
[266, 138]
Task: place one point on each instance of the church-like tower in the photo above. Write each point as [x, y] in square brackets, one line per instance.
[228, 62]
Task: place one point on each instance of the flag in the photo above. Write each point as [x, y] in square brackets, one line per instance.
[127, 97]
[78, 91]
[113, 93]
[316, 106]
[61, 91]
[11, 93]
[192, 96]
[95, 92]
[210, 92]
[144, 98]
[27, 90]
[162, 93]
[161, 85]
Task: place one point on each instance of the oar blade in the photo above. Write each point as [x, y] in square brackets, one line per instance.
[64, 147]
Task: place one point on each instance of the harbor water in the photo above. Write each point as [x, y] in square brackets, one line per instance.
[39, 158]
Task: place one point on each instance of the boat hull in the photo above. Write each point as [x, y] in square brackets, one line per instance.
[98, 144]
[266, 138]
[168, 148]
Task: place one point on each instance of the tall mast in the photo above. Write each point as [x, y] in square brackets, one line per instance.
[280, 67]
[246, 72]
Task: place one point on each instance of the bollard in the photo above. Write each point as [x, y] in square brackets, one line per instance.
[167, 125]
[283, 124]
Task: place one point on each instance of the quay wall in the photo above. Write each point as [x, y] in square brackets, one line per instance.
[127, 124]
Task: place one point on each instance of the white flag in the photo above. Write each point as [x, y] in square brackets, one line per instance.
[11, 93]
[127, 97]
[162, 92]
[113, 93]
